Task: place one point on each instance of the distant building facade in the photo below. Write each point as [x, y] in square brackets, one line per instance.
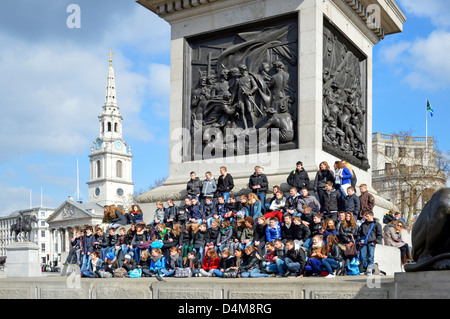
[401, 160]
[40, 234]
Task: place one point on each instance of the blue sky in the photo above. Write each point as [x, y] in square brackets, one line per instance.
[54, 78]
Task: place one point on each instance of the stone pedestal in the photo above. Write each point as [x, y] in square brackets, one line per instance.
[22, 260]
[314, 21]
[422, 285]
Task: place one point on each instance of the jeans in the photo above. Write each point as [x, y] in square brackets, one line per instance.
[200, 252]
[262, 198]
[315, 264]
[217, 272]
[168, 273]
[329, 265]
[253, 273]
[85, 262]
[226, 196]
[243, 246]
[104, 251]
[292, 267]
[366, 257]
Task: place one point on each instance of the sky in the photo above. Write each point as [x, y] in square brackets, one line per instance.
[53, 81]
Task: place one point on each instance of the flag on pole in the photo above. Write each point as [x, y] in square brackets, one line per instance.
[429, 108]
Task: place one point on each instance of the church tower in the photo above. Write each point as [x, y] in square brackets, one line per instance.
[110, 158]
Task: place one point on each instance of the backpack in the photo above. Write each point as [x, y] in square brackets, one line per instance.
[231, 273]
[353, 267]
[104, 274]
[135, 273]
[120, 272]
[183, 273]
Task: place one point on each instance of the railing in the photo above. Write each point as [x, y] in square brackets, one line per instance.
[390, 137]
[428, 170]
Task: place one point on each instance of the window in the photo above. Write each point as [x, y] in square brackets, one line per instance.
[418, 153]
[119, 169]
[97, 192]
[42, 214]
[42, 223]
[388, 168]
[401, 151]
[109, 126]
[120, 192]
[388, 150]
[99, 171]
[43, 233]
[42, 248]
[115, 127]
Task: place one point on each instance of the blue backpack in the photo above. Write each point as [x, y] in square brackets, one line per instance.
[353, 267]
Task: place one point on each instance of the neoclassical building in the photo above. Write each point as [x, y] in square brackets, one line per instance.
[66, 220]
[406, 170]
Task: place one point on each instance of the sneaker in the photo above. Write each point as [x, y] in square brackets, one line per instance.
[330, 276]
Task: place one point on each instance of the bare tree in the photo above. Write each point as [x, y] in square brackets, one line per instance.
[413, 170]
[156, 183]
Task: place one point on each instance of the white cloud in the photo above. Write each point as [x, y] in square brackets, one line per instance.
[438, 11]
[425, 61]
[54, 91]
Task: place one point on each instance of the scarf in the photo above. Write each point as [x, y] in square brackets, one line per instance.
[162, 233]
[224, 229]
[319, 245]
[173, 260]
[155, 259]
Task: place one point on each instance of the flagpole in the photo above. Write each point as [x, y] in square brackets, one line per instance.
[426, 133]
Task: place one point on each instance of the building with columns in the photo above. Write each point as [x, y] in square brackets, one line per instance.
[70, 217]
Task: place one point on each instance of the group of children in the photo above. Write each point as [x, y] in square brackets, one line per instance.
[212, 233]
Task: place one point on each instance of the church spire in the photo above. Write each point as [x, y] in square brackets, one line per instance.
[110, 98]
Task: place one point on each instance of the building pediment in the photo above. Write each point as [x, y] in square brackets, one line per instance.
[72, 211]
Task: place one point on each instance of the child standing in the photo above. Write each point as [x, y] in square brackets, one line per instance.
[209, 186]
[238, 230]
[87, 248]
[75, 252]
[199, 238]
[369, 235]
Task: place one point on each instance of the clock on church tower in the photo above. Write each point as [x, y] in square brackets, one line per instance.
[110, 159]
